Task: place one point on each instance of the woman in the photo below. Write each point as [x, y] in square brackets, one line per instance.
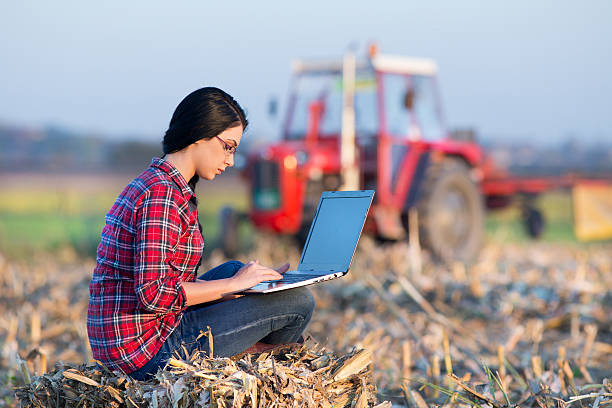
[145, 302]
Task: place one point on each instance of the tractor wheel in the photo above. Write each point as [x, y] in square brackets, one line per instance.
[229, 238]
[534, 221]
[302, 234]
[451, 212]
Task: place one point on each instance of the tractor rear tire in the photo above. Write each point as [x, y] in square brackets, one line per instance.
[229, 238]
[451, 212]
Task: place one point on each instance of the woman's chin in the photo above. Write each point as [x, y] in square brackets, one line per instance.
[208, 176]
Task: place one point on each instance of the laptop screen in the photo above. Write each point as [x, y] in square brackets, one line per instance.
[335, 230]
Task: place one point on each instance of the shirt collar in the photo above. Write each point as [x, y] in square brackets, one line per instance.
[174, 174]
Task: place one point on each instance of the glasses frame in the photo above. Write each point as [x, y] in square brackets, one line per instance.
[229, 149]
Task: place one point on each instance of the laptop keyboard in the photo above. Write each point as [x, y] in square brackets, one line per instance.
[295, 278]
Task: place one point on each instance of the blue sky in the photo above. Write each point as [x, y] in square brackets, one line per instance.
[535, 70]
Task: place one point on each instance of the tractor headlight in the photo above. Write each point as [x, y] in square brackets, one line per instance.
[290, 162]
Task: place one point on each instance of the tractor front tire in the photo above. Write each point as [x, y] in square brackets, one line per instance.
[451, 212]
[228, 232]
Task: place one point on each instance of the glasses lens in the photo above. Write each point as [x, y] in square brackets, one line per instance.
[226, 146]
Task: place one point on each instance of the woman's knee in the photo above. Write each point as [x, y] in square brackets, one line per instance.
[223, 271]
[304, 301]
[234, 266]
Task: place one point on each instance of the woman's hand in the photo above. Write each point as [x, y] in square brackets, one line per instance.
[253, 273]
[283, 269]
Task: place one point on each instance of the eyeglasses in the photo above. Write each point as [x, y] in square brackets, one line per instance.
[229, 149]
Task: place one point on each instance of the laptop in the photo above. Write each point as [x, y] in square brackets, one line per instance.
[331, 241]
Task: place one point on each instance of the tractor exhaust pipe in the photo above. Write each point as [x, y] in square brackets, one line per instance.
[348, 151]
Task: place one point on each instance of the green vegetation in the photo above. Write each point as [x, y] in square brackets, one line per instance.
[506, 225]
[50, 219]
[21, 234]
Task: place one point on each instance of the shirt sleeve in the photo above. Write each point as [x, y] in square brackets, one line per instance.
[158, 228]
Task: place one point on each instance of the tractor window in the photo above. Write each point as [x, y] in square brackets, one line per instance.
[397, 116]
[327, 89]
[324, 88]
[426, 107]
[366, 106]
[411, 108]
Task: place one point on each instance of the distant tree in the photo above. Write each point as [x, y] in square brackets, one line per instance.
[132, 155]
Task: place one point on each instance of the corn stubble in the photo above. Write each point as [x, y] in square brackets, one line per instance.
[525, 325]
[286, 377]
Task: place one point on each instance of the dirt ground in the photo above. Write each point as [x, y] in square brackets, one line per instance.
[524, 310]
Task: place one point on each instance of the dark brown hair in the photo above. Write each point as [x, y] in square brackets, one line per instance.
[203, 114]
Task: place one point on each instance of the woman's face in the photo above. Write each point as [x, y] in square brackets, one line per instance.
[211, 156]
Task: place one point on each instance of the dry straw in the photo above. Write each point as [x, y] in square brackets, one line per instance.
[289, 376]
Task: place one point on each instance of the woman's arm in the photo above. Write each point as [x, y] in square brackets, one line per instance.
[248, 276]
[158, 227]
[158, 288]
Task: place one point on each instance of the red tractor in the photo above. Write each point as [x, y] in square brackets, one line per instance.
[376, 123]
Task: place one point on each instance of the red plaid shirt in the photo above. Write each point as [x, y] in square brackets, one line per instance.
[150, 244]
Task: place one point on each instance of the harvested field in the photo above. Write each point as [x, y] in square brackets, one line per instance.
[528, 324]
[305, 376]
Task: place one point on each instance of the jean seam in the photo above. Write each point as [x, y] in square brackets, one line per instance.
[257, 322]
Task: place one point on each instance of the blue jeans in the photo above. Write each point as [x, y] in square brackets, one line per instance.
[236, 324]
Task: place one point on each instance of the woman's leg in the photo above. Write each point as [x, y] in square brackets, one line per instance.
[158, 361]
[237, 324]
[223, 271]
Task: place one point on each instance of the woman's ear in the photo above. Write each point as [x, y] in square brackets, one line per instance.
[197, 143]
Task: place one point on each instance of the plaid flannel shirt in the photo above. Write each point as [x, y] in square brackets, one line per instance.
[149, 245]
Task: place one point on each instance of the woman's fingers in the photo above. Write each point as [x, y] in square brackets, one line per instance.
[282, 269]
[269, 273]
[253, 273]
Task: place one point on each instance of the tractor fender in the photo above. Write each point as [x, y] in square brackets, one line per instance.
[229, 230]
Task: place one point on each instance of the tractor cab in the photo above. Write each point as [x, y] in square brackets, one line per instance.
[393, 100]
[395, 95]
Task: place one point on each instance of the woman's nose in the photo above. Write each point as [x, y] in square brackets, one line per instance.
[229, 160]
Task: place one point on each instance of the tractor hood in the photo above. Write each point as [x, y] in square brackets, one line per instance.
[304, 157]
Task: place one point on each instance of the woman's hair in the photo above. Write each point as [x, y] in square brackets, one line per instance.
[203, 114]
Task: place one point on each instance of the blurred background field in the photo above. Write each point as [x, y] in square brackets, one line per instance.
[42, 212]
[543, 302]
[47, 213]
